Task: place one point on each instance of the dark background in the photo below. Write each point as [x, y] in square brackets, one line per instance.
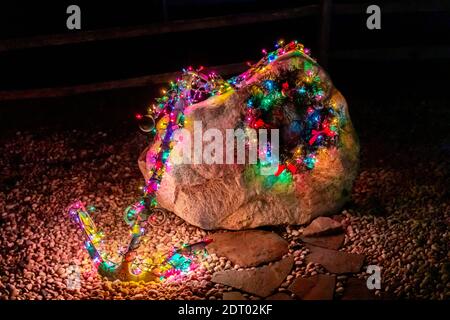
[85, 146]
[406, 61]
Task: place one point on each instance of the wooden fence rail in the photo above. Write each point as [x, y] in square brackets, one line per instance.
[156, 29]
[215, 22]
[326, 9]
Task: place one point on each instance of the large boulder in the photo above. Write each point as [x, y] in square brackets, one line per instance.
[233, 196]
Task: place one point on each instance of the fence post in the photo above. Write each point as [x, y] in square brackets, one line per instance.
[324, 37]
[164, 11]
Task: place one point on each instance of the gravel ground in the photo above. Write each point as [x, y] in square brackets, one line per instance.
[399, 216]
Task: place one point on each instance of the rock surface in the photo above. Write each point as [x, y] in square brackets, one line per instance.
[37, 237]
[280, 296]
[356, 289]
[248, 248]
[233, 295]
[318, 287]
[333, 242]
[335, 261]
[221, 196]
[322, 226]
[261, 281]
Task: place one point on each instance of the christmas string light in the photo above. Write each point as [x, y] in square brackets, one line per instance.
[192, 87]
[302, 96]
[315, 121]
